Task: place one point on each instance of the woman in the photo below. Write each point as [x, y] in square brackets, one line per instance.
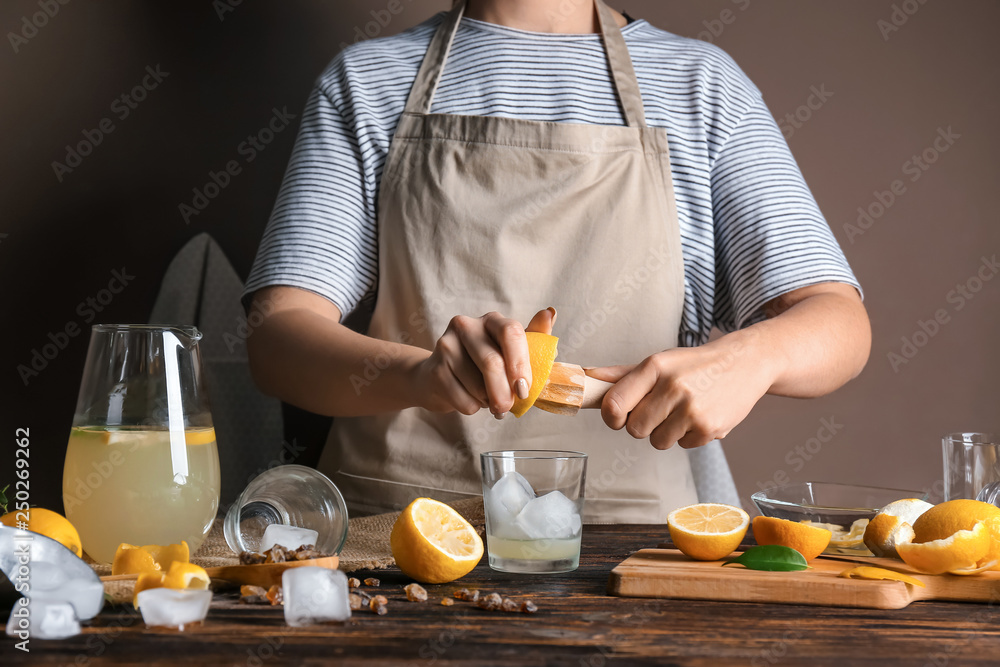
[517, 154]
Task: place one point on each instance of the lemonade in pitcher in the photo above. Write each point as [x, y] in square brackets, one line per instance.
[142, 465]
[135, 485]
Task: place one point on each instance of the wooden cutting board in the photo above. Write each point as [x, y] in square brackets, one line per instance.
[667, 573]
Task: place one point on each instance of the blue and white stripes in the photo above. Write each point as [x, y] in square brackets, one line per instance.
[750, 228]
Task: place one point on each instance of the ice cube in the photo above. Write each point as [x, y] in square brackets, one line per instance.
[552, 516]
[86, 596]
[39, 619]
[46, 576]
[314, 595]
[507, 497]
[290, 537]
[172, 608]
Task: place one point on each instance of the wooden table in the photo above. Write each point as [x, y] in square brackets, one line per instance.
[576, 624]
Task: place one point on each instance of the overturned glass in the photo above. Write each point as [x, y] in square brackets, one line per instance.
[288, 495]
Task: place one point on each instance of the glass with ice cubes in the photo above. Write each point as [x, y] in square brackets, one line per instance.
[288, 505]
[534, 508]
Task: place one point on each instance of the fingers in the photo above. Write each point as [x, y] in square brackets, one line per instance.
[543, 321]
[626, 394]
[488, 358]
[515, 362]
[471, 379]
[669, 432]
[454, 392]
[651, 411]
[609, 373]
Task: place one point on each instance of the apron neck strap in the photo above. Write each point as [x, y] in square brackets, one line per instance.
[619, 62]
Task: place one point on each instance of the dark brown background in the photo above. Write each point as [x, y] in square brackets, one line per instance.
[119, 207]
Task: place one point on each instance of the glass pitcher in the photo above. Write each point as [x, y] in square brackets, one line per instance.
[142, 465]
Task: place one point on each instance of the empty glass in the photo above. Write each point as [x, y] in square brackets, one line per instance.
[289, 495]
[534, 508]
[971, 466]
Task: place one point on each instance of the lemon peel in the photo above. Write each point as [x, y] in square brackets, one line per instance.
[879, 573]
[809, 541]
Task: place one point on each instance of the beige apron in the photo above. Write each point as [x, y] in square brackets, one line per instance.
[483, 213]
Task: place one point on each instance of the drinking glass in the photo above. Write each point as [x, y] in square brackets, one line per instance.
[288, 495]
[971, 466]
[534, 508]
[142, 464]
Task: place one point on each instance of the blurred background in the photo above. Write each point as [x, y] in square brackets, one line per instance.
[890, 107]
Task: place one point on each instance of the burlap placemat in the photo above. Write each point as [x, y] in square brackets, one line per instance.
[367, 546]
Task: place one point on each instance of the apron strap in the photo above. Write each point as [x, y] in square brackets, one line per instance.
[422, 93]
[621, 68]
[620, 63]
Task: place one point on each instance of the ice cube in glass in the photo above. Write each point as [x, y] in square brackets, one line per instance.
[290, 537]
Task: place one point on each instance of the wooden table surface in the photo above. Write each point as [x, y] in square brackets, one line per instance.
[576, 624]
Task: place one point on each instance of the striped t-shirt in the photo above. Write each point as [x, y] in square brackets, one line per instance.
[750, 228]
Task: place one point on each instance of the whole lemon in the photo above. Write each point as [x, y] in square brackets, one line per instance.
[48, 523]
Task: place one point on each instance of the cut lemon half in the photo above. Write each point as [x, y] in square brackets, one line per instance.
[433, 543]
[707, 531]
[542, 351]
[807, 540]
[964, 549]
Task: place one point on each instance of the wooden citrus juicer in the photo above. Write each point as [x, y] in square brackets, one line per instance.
[569, 389]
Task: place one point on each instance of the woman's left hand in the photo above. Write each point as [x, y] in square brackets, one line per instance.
[690, 396]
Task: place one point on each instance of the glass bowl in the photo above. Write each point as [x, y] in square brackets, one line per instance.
[843, 506]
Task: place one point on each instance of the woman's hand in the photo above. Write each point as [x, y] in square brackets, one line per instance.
[479, 362]
[815, 339]
[690, 396]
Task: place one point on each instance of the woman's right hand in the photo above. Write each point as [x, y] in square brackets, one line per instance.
[479, 362]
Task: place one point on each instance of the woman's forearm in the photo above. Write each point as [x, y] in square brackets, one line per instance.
[816, 340]
[307, 358]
